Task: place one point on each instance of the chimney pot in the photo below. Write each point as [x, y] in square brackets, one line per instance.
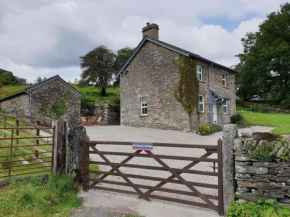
[151, 30]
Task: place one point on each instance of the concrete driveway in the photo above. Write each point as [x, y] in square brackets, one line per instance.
[134, 134]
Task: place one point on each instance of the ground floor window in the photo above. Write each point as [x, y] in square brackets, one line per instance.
[201, 103]
[143, 107]
[225, 107]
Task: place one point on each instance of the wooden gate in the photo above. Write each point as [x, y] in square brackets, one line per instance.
[25, 148]
[210, 201]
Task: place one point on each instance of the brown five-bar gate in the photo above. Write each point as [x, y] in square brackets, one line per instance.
[25, 148]
[210, 201]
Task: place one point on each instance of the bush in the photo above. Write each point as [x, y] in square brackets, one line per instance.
[237, 119]
[263, 152]
[264, 208]
[204, 129]
[286, 103]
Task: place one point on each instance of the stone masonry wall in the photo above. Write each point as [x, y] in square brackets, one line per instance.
[152, 76]
[17, 105]
[55, 91]
[261, 179]
[110, 114]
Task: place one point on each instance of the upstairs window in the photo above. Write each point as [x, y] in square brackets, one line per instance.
[201, 103]
[224, 80]
[143, 108]
[225, 107]
[199, 72]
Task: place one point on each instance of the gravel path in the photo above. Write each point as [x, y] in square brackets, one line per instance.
[122, 133]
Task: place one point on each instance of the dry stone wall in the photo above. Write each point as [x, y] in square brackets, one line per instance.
[110, 114]
[261, 179]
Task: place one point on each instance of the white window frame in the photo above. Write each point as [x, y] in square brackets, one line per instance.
[224, 79]
[201, 103]
[225, 104]
[143, 107]
[199, 73]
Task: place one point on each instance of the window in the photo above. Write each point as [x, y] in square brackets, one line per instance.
[143, 108]
[201, 103]
[224, 79]
[199, 72]
[225, 107]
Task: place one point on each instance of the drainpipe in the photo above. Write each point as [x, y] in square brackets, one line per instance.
[210, 102]
[29, 103]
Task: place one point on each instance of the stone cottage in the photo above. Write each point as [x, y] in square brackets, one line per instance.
[149, 76]
[50, 98]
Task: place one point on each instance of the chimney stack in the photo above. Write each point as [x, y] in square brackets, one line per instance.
[151, 30]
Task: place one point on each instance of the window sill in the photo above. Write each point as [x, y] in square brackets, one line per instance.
[143, 115]
[201, 81]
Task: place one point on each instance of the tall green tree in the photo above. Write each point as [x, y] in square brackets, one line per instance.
[264, 68]
[7, 78]
[121, 58]
[97, 68]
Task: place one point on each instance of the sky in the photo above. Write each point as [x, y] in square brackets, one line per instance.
[47, 37]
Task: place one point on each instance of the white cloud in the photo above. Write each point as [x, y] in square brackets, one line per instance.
[48, 37]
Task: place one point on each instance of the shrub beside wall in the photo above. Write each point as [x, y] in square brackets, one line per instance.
[262, 167]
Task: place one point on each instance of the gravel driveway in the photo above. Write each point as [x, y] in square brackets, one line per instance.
[131, 134]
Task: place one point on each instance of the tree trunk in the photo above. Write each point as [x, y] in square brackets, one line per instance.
[103, 91]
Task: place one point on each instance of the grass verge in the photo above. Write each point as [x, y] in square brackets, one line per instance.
[280, 121]
[37, 198]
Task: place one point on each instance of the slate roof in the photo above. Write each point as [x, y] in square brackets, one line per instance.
[35, 86]
[172, 48]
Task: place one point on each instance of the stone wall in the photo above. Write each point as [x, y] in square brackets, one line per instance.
[110, 114]
[152, 76]
[17, 105]
[261, 179]
[55, 91]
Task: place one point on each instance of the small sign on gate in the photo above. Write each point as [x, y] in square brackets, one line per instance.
[142, 146]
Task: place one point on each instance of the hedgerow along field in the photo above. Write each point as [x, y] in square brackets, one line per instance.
[280, 121]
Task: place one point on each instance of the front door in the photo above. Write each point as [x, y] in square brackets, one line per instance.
[214, 114]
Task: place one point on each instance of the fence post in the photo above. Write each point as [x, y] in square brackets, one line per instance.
[59, 149]
[75, 152]
[85, 174]
[230, 132]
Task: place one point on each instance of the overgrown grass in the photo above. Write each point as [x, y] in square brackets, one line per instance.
[280, 121]
[35, 198]
[8, 90]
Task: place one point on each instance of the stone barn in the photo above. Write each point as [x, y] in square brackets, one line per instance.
[53, 98]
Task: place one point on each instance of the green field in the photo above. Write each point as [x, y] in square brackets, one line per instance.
[93, 94]
[280, 121]
[89, 94]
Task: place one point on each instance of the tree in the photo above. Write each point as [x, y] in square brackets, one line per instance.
[186, 91]
[38, 80]
[97, 68]
[264, 68]
[121, 58]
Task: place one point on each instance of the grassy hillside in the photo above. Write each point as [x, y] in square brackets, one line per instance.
[8, 90]
[93, 94]
[281, 121]
[89, 93]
